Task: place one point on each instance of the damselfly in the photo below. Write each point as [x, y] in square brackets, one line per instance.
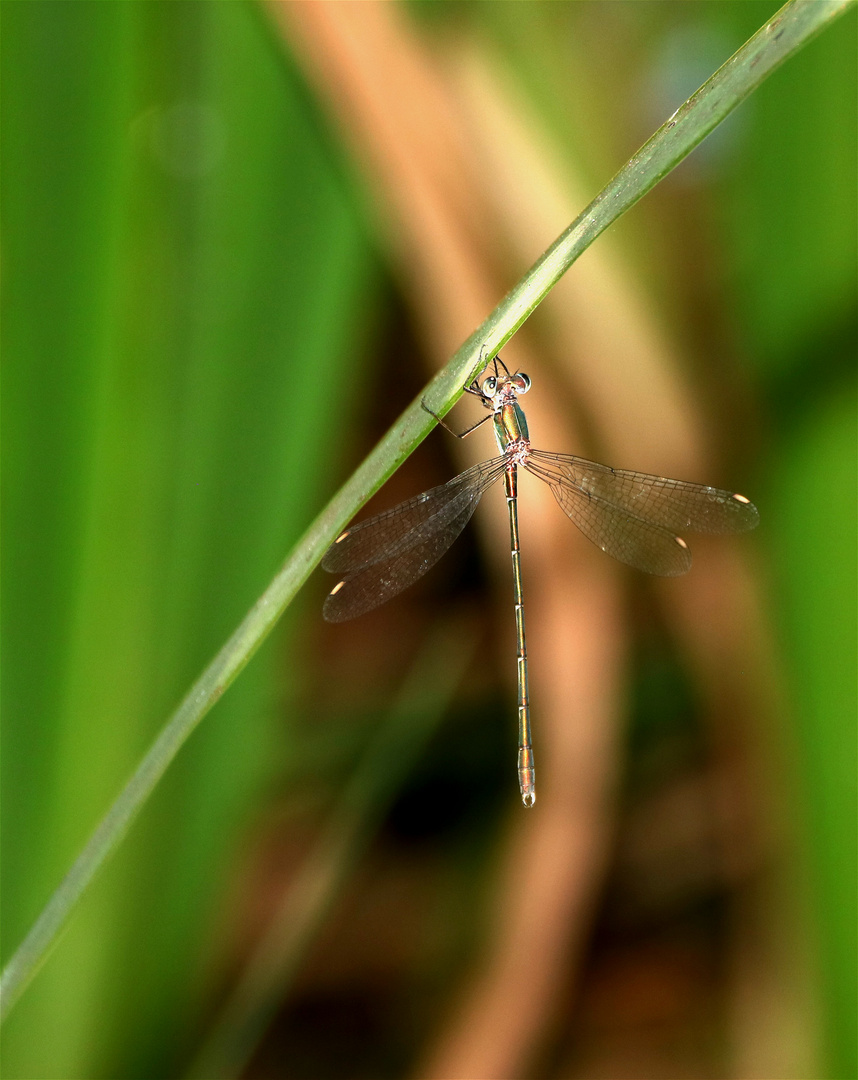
[632, 516]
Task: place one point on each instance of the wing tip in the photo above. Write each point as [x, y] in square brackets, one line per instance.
[750, 514]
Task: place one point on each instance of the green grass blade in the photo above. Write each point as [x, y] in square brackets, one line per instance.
[791, 28]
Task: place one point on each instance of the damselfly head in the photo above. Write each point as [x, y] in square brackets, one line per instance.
[505, 384]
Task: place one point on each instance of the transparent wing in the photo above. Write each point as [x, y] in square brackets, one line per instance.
[380, 557]
[635, 517]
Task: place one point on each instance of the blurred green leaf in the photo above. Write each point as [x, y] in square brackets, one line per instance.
[814, 511]
[185, 276]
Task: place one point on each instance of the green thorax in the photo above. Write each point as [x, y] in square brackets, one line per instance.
[510, 424]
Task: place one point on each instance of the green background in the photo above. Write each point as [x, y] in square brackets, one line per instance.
[196, 315]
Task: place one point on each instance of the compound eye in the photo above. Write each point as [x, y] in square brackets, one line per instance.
[489, 386]
[521, 382]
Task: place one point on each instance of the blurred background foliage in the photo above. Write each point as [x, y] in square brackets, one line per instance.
[205, 324]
